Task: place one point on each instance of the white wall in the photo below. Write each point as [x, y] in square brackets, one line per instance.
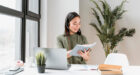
[130, 46]
[57, 11]
[43, 24]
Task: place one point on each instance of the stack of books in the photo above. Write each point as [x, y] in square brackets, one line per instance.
[110, 69]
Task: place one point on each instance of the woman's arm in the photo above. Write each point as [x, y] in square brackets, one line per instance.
[68, 54]
[60, 45]
[59, 42]
[85, 40]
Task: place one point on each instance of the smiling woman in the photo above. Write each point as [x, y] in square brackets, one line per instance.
[71, 37]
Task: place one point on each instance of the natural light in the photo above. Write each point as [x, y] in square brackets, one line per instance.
[9, 39]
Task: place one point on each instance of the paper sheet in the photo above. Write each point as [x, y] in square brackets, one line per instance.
[77, 67]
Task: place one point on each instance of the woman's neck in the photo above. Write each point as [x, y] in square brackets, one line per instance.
[72, 33]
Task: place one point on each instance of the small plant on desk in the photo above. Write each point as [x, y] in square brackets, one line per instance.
[41, 59]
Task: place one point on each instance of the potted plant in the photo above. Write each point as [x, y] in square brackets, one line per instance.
[40, 59]
[106, 19]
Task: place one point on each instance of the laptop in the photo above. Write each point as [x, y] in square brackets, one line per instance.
[56, 58]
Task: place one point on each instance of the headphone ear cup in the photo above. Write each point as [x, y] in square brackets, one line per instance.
[79, 30]
[67, 27]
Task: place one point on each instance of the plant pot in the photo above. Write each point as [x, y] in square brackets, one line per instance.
[41, 69]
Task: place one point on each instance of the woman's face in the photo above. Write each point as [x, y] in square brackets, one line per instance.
[74, 25]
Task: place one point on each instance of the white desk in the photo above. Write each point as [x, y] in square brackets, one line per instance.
[131, 70]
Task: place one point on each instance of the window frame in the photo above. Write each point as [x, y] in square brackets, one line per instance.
[24, 15]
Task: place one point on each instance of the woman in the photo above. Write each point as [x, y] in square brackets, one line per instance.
[71, 37]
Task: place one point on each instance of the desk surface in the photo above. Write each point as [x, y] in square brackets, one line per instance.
[131, 70]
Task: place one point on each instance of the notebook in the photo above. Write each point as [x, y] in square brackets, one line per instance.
[78, 47]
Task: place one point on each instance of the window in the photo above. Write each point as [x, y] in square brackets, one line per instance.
[31, 38]
[19, 29]
[10, 28]
[34, 6]
[14, 4]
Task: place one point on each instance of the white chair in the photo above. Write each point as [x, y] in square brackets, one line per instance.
[117, 59]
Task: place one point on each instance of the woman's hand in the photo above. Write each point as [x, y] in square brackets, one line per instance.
[84, 54]
[68, 54]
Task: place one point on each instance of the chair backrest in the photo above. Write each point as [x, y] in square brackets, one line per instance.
[117, 59]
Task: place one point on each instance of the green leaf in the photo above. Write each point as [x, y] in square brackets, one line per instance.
[40, 58]
[97, 6]
[97, 16]
[95, 26]
[130, 33]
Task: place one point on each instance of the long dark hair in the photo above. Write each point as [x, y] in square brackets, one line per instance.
[69, 17]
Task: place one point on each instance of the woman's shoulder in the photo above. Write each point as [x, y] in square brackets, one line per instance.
[60, 37]
[84, 39]
[83, 36]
